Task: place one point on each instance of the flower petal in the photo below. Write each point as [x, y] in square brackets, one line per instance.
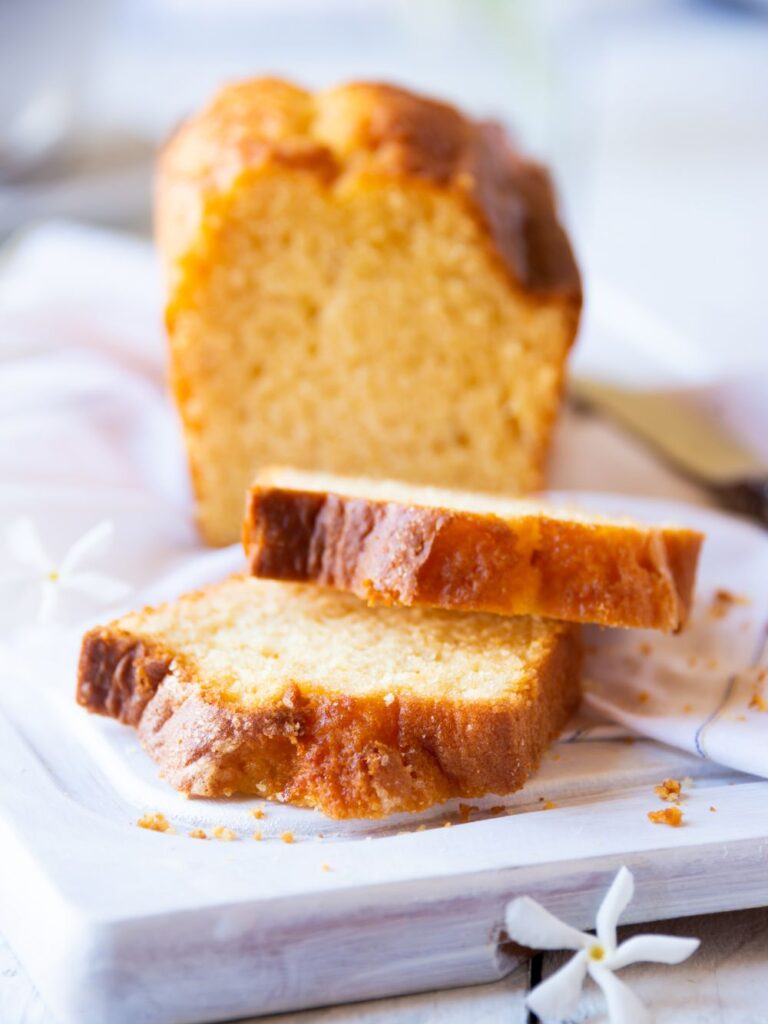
[48, 600]
[657, 949]
[93, 542]
[557, 998]
[25, 545]
[96, 585]
[614, 903]
[530, 924]
[623, 1005]
[15, 576]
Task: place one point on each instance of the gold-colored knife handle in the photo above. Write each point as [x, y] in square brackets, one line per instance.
[748, 497]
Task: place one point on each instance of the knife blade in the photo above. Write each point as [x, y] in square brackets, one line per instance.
[678, 428]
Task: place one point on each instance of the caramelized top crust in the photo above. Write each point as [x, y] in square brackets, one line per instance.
[373, 131]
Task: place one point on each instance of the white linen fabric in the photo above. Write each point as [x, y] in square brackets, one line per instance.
[88, 434]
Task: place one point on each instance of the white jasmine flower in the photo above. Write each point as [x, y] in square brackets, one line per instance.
[25, 546]
[557, 998]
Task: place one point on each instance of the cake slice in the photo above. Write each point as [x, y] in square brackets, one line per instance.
[304, 695]
[393, 543]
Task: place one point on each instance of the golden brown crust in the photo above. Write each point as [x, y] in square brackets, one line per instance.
[117, 675]
[370, 131]
[348, 756]
[393, 553]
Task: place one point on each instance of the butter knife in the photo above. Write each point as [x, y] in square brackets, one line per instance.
[694, 443]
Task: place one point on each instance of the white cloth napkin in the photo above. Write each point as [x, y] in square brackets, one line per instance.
[88, 435]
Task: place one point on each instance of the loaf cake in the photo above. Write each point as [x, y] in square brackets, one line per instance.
[394, 543]
[360, 280]
[302, 694]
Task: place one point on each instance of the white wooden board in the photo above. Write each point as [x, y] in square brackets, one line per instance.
[116, 923]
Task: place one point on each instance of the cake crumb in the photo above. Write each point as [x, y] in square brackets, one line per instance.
[672, 816]
[723, 601]
[258, 836]
[288, 837]
[758, 702]
[320, 835]
[496, 810]
[712, 807]
[325, 867]
[642, 697]
[465, 811]
[198, 833]
[156, 822]
[669, 790]
[556, 757]
[549, 805]
[223, 833]
[645, 648]
[687, 709]
[447, 824]
[712, 664]
[256, 812]
[693, 660]
[422, 828]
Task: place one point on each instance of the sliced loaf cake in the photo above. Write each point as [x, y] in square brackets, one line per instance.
[360, 280]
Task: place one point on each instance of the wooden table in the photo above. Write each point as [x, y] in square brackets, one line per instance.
[726, 982]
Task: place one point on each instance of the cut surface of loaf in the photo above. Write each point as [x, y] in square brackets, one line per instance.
[304, 695]
[395, 543]
[360, 280]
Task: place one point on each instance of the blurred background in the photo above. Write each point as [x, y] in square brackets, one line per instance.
[653, 115]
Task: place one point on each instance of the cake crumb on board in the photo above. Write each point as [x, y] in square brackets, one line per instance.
[723, 601]
[669, 790]
[672, 816]
[223, 833]
[156, 822]
[465, 812]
